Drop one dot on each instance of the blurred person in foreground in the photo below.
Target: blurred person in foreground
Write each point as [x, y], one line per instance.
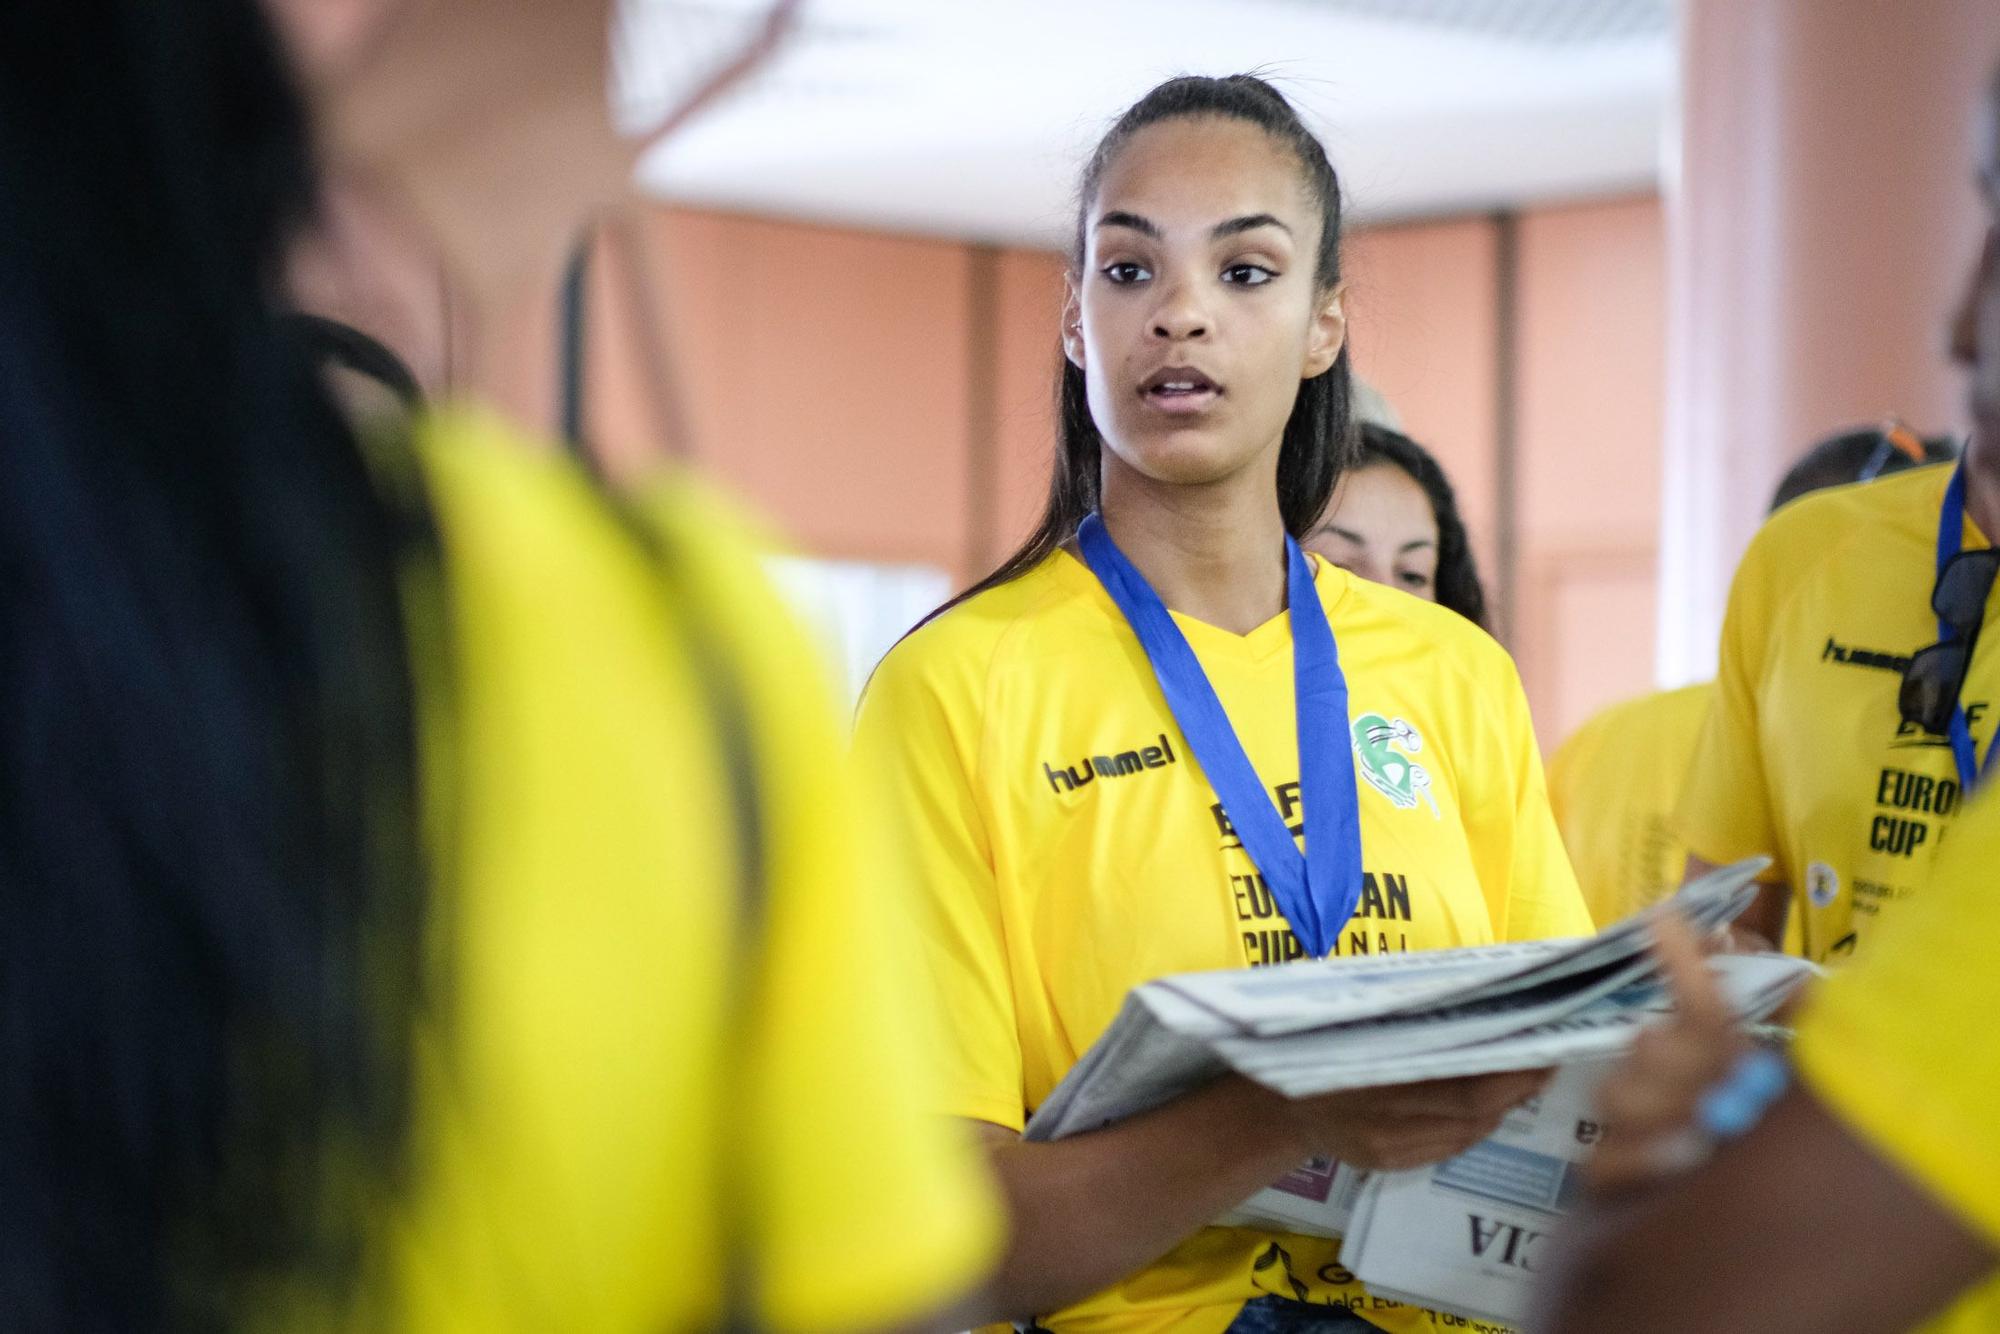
[1394, 520]
[1615, 781]
[429, 898]
[1857, 1186]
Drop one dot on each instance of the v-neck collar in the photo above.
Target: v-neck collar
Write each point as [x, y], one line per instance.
[1255, 647]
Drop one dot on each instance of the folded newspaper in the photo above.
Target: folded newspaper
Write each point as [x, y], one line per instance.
[1468, 1235]
[1321, 1026]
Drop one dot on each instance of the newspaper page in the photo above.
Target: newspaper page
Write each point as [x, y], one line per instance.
[1320, 1197]
[1338, 1018]
[1468, 1235]
[1753, 984]
[1315, 1199]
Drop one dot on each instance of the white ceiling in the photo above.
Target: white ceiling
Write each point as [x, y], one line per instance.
[968, 118]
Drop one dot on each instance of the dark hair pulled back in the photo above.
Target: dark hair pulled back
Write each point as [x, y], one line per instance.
[1318, 439]
[1458, 585]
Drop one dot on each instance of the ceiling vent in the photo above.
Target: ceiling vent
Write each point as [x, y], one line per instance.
[1542, 22]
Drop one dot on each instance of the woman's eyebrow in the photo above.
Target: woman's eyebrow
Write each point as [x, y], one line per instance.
[1248, 223]
[1143, 226]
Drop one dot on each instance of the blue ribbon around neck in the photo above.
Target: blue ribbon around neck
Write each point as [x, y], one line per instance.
[1951, 535]
[1317, 889]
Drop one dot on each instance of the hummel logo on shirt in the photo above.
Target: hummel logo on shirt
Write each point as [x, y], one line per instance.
[1863, 657]
[1073, 776]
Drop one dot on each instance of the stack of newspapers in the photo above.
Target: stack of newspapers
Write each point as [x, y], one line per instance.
[1461, 1236]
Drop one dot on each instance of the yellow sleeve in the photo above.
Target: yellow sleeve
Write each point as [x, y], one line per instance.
[1530, 886]
[1724, 814]
[869, 1209]
[917, 741]
[1570, 758]
[1902, 1046]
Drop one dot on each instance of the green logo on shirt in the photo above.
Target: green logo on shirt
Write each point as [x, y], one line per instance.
[1390, 771]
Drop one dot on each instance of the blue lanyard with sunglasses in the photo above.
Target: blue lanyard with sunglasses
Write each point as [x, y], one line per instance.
[1318, 889]
[1951, 532]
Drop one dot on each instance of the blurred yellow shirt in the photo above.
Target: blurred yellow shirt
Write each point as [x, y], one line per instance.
[1805, 757]
[639, 1044]
[1902, 1046]
[1071, 849]
[1613, 786]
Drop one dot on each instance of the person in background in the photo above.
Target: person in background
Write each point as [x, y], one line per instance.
[1854, 697]
[1394, 520]
[1857, 1185]
[429, 897]
[1615, 781]
[1078, 834]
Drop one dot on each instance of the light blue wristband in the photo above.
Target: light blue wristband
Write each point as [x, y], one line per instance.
[1739, 1102]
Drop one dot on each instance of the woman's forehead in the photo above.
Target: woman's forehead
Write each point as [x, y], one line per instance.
[1199, 171]
[1385, 493]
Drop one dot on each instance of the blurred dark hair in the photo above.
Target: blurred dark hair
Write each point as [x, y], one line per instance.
[1858, 456]
[338, 346]
[1458, 585]
[1318, 436]
[212, 891]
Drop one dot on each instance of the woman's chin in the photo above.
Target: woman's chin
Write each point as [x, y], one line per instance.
[1184, 457]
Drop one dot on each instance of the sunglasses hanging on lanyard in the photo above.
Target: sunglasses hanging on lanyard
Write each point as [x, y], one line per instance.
[1935, 678]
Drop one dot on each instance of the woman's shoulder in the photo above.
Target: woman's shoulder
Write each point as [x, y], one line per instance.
[480, 471]
[512, 508]
[538, 559]
[1377, 619]
[964, 640]
[1853, 522]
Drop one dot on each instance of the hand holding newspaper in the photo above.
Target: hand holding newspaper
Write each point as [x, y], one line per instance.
[1318, 1027]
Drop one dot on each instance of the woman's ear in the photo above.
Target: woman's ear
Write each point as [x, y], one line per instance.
[1328, 334]
[1072, 322]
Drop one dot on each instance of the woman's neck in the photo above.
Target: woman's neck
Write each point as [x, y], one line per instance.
[1214, 551]
[1982, 483]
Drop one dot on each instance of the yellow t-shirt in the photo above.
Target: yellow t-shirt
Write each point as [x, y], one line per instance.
[1805, 757]
[1902, 1048]
[633, 1040]
[1072, 849]
[1613, 786]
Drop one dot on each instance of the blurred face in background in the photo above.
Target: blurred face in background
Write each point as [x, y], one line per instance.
[1381, 527]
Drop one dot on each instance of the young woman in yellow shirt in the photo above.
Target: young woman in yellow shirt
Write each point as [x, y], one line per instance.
[1102, 757]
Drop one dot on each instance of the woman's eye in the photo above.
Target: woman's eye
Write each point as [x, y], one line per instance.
[1411, 579]
[1247, 275]
[1124, 271]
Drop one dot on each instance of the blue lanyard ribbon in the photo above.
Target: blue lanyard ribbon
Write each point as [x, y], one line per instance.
[1951, 533]
[1318, 889]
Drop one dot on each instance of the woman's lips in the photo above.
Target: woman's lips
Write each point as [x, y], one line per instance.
[1180, 391]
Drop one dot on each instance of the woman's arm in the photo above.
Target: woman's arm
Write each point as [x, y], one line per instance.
[1762, 924]
[1090, 1210]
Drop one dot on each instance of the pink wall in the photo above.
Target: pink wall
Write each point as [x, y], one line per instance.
[1422, 305]
[1824, 225]
[890, 398]
[1587, 334]
[1591, 348]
